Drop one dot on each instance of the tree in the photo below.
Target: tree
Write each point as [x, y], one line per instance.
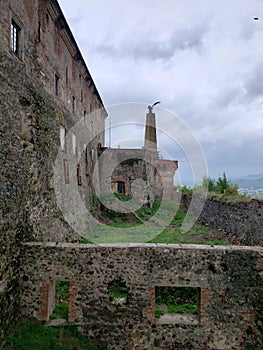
[221, 184]
[209, 184]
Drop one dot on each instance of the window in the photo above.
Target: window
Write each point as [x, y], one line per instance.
[81, 95]
[74, 147]
[79, 177]
[15, 38]
[62, 135]
[39, 32]
[177, 304]
[121, 187]
[56, 84]
[47, 18]
[67, 75]
[85, 116]
[117, 291]
[61, 300]
[66, 171]
[74, 104]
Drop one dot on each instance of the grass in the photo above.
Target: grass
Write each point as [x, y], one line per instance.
[61, 308]
[152, 225]
[32, 335]
[158, 311]
[178, 300]
[181, 309]
[231, 199]
[60, 311]
[198, 234]
[117, 289]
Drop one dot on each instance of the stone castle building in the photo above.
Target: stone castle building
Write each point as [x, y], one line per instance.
[131, 165]
[45, 89]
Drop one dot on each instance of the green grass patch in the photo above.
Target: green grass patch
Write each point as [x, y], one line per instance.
[32, 335]
[117, 289]
[181, 309]
[61, 308]
[145, 225]
[84, 240]
[176, 300]
[158, 311]
[122, 197]
[62, 289]
[60, 311]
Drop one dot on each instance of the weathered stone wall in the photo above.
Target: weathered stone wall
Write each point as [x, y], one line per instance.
[142, 173]
[242, 220]
[229, 278]
[130, 167]
[32, 114]
[166, 168]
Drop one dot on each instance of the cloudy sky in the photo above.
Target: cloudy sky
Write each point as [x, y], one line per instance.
[202, 58]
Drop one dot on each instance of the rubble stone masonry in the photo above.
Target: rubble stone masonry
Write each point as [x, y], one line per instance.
[41, 73]
[229, 280]
[243, 220]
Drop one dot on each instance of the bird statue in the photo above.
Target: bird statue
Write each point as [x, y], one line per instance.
[151, 107]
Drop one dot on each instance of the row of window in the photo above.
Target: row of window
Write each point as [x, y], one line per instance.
[16, 48]
[66, 173]
[74, 100]
[171, 304]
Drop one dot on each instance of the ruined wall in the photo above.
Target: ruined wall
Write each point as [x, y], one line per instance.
[130, 167]
[141, 172]
[166, 169]
[229, 279]
[40, 72]
[242, 220]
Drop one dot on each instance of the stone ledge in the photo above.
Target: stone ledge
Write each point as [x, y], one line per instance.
[166, 247]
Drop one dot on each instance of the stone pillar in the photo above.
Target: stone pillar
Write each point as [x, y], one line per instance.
[205, 294]
[47, 292]
[149, 312]
[150, 140]
[73, 292]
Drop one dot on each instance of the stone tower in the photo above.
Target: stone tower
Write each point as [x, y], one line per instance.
[150, 140]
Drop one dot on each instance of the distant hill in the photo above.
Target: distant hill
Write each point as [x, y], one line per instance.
[250, 181]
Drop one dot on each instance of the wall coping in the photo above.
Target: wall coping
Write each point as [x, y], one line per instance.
[145, 245]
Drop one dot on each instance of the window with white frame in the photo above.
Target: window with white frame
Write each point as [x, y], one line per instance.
[15, 38]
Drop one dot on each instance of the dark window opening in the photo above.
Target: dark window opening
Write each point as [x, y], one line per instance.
[39, 32]
[79, 177]
[61, 300]
[73, 104]
[85, 115]
[81, 96]
[177, 304]
[56, 84]
[15, 38]
[117, 291]
[121, 187]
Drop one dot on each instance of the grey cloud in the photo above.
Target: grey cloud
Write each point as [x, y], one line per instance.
[209, 73]
[254, 83]
[149, 46]
[227, 96]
